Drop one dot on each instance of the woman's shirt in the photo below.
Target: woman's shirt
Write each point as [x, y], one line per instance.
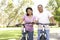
[28, 27]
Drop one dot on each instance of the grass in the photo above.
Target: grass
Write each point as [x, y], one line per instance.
[10, 34]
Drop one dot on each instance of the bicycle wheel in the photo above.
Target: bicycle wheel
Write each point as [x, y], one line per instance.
[23, 38]
[42, 37]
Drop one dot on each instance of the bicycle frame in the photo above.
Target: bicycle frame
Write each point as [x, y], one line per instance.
[43, 34]
[24, 32]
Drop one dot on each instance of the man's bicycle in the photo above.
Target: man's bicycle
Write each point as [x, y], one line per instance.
[43, 33]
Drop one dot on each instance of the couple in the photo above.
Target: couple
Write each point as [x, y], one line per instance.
[42, 17]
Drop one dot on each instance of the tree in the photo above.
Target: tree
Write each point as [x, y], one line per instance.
[55, 6]
[57, 12]
[14, 13]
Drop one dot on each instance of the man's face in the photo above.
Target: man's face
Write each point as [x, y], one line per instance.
[40, 8]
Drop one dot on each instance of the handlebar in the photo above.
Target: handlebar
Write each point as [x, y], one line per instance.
[50, 24]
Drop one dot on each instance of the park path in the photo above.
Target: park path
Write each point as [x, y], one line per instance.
[54, 34]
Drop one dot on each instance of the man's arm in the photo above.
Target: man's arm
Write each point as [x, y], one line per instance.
[51, 17]
[52, 20]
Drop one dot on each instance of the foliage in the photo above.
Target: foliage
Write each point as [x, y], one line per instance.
[55, 6]
[11, 13]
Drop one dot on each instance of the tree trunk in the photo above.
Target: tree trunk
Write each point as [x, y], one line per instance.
[59, 24]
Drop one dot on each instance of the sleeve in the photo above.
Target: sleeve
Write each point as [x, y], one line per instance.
[50, 14]
[36, 18]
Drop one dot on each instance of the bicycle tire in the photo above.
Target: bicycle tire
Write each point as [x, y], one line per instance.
[23, 38]
[42, 37]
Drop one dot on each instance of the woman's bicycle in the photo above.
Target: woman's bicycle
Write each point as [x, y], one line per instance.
[24, 32]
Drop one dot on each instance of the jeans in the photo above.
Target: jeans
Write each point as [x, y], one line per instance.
[47, 34]
[30, 35]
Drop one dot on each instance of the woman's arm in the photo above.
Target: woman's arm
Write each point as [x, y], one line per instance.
[35, 20]
[21, 21]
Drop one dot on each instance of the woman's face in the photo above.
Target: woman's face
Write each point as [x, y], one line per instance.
[29, 11]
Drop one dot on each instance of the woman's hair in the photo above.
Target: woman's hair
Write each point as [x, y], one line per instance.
[27, 11]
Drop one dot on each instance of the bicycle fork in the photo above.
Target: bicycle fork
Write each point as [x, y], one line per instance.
[43, 33]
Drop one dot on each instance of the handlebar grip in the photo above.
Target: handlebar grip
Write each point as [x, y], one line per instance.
[52, 24]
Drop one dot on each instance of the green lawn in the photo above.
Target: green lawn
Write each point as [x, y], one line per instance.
[11, 34]
[8, 34]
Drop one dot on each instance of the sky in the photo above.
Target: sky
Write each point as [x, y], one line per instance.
[36, 2]
[43, 2]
